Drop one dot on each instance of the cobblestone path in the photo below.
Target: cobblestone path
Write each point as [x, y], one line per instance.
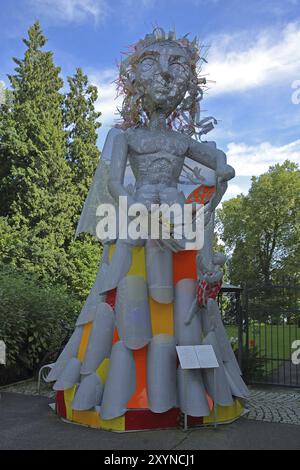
[274, 406]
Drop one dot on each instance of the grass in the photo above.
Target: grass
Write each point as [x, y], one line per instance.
[274, 342]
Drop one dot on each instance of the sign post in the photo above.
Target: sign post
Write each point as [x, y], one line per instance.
[198, 357]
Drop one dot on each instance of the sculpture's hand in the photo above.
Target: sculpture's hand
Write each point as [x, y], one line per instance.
[171, 244]
[212, 278]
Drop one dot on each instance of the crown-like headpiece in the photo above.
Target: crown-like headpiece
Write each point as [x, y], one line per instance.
[158, 35]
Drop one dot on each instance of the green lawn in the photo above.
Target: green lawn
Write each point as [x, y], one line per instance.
[272, 341]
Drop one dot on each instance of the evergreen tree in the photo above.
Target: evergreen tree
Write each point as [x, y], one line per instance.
[37, 180]
[81, 123]
[8, 137]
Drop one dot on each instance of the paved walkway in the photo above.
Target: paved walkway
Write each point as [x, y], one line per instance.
[275, 406]
[28, 423]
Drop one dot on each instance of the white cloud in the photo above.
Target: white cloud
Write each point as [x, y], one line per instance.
[253, 160]
[244, 61]
[71, 10]
[235, 189]
[107, 102]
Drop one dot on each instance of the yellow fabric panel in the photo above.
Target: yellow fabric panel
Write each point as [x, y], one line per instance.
[138, 265]
[161, 318]
[84, 341]
[116, 424]
[225, 413]
[102, 370]
[111, 250]
[69, 396]
[92, 419]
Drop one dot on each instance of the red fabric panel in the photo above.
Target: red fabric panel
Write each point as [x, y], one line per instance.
[146, 419]
[60, 404]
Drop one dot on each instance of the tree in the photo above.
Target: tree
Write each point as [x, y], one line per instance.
[81, 123]
[48, 155]
[36, 180]
[261, 230]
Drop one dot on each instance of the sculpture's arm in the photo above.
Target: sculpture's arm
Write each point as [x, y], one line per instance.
[118, 167]
[211, 157]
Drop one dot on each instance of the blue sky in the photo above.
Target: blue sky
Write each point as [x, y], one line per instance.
[254, 58]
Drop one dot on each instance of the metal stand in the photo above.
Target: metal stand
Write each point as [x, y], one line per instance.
[185, 428]
[197, 357]
[185, 401]
[215, 398]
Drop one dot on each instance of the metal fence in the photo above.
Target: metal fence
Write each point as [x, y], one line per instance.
[263, 324]
[271, 317]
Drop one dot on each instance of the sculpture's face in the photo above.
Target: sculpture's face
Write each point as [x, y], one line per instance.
[163, 75]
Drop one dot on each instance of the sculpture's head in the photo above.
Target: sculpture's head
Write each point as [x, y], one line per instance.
[162, 74]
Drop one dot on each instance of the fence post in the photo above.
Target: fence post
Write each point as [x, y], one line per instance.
[240, 329]
[247, 320]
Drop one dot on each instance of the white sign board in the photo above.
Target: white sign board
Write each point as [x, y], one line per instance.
[187, 357]
[206, 357]
[197, 357]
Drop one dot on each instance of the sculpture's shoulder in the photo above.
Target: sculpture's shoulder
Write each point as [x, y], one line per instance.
[136, 137]
[114, 135]
[202, 145]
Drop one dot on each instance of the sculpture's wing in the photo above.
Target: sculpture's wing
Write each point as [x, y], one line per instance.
[98, 192]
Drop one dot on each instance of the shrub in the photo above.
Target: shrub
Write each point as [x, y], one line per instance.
[252, 365]
[35, 319]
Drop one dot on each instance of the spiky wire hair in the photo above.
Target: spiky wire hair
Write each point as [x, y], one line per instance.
[186, 117]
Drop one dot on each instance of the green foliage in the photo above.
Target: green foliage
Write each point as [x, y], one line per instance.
[38, 178]
[35, 319]
[261, 230]
[252, 366]
[48, 154]
[83, 257]
[81, 123]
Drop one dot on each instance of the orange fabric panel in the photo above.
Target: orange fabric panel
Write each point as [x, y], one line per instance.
[140, 398]
[201, 195]
[184, 265]
[84, 341]
[161, 318]
[116, 336]
[210, 402]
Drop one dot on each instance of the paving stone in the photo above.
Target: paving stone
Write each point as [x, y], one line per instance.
[274, 406]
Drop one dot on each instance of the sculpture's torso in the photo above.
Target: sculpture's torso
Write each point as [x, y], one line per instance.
[156, 157]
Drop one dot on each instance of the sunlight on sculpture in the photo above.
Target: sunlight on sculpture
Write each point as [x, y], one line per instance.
[119, 369]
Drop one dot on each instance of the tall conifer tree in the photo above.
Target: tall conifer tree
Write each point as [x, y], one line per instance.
[38, 179]
[81, 122]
